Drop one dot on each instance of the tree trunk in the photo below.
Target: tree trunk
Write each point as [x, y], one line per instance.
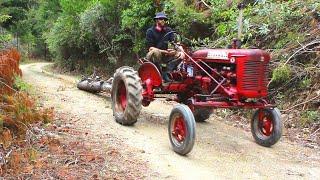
[1, 125]
[45, 51]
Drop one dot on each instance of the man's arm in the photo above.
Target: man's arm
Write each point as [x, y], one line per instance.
[150, 40]
[172, 35]
[151, 44]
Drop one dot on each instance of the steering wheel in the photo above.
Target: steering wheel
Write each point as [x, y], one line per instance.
[175, 45]
[168, 33]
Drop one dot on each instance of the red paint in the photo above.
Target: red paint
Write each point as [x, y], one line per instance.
[149, 71]
[224, 79]
[122, 92]
[179, 130]
[265, 124]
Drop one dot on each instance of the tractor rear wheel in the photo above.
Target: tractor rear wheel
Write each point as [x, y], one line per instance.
[202, 114]
[266, 126]
[181, 129]
[126, 95]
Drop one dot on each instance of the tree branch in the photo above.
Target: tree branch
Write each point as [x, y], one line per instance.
[207, 5]
[1, 82]
[302, 48]
[289, 109]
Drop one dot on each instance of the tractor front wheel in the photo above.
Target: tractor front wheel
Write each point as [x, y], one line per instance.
[181, 129]
[266, 126]
[126, 95]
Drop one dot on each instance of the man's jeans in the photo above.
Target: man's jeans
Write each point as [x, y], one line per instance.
[160, 59]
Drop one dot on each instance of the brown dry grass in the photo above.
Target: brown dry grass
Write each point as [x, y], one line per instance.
[9, 67]
[18, 113]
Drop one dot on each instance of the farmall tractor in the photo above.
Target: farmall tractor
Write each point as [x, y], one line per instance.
[204, 80]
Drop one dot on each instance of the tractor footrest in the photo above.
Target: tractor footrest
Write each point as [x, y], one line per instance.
[219, 99]
[170, 82]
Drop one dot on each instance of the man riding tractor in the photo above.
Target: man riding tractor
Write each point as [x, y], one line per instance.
[204, 80]
[157, 38]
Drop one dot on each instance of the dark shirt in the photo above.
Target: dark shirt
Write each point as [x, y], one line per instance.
[156, 39]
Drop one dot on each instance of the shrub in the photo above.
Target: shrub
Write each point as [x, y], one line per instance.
[135, 20]
[20, 85]
[309, 117]
[305, 83]
[9, 61]
[19, 111]
[281, 74]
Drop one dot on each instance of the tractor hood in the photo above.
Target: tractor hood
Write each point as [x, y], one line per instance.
[227, 54]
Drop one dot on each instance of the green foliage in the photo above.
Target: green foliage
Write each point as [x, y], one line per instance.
[3, 18]
[20, 85]
[41, 19]
[183, 16]
[88, 70]
[111, 27]
[90, 30]
[74, 7]
[223, 18]
[281, 74]
[100, 25]
[263, 22]
[136, 19]
[142, 10]
[305, 83]
[287, 39]
[64, 37]
[17, 10]
[309, 117]
[4, 37]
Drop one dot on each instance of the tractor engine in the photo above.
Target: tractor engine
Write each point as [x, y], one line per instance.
[236, 73]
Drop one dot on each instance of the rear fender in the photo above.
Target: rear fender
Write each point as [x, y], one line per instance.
[148, 71]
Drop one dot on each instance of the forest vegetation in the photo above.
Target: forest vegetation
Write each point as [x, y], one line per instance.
[83, 35]
[79, 35]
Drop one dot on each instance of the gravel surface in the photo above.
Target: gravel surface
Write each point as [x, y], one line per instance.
[220, 151]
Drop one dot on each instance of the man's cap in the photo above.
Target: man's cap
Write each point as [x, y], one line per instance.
[160, 15]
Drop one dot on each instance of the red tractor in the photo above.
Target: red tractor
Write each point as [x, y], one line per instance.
[204, 80]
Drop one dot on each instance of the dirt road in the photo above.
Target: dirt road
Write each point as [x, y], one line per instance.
[220, 151]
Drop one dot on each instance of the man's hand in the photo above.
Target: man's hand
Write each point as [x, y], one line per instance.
[154, 48]
[168, 52]
[180, 55]
[171, 52]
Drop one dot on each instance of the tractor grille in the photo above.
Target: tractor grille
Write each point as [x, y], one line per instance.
[255, 75]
